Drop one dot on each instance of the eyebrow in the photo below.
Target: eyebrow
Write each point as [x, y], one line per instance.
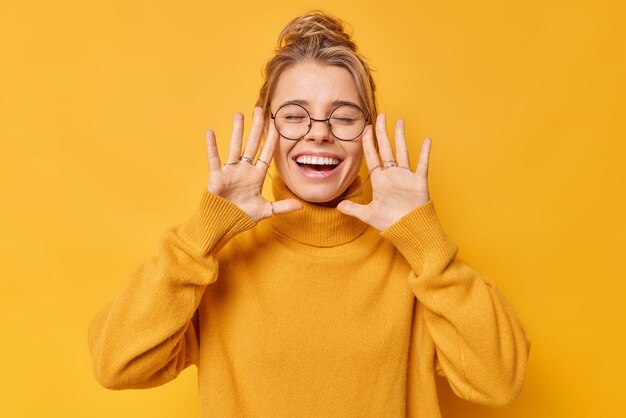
[335, 103]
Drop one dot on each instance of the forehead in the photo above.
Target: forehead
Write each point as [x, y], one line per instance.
[318, 85]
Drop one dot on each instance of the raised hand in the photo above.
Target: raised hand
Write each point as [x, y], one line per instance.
[241, 179]
[396, 190]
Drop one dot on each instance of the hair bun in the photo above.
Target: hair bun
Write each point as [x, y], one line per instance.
[318, 38]
[316, 27]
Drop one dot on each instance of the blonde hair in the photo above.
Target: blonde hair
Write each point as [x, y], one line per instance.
[320, 38]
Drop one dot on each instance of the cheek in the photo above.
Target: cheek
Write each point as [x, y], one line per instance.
[355, 157]
[356, 154]
[281, 153]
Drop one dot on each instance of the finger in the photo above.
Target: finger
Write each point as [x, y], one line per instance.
[384, 146]
[356, 210]
[282, 206]
[270, 145]
[214, 157]
[422, 164]
[402, 152]
[234, 152]
[371, 155]
[254, 137]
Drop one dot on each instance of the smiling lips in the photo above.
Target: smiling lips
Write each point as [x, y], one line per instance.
[317, 165]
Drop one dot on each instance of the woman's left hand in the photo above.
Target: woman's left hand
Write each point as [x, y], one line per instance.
[396, 190]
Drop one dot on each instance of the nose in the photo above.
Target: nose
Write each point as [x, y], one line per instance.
[320, 131]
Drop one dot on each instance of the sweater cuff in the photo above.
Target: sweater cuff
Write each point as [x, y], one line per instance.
[420, 238]
[215, 222]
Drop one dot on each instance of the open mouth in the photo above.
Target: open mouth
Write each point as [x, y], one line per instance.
[316, 163]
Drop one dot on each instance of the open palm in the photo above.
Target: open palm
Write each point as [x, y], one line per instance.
[241, 179]
[396, 190]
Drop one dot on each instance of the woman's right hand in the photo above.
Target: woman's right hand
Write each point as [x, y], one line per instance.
[242, 182]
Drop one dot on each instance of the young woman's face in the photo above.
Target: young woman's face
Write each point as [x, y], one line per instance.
[319, 89]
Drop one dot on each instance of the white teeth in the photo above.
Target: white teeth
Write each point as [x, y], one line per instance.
[306, 159]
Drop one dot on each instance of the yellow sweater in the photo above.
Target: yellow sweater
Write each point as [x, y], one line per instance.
[311, 314]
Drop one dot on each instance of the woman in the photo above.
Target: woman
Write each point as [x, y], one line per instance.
[320, 303]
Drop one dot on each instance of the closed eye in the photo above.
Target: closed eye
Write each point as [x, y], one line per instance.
[294, 118]
[344, 121]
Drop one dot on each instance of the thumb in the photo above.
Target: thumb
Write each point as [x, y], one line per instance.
[355, 210]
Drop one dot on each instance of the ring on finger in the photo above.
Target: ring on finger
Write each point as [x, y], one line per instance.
[262, 161]
[232, 162]
[272, 208]
[390, 163]
[247, 160]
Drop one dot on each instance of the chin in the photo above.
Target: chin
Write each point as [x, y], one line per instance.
[326, 188]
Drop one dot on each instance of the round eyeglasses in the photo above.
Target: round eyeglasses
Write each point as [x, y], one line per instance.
[346, 122]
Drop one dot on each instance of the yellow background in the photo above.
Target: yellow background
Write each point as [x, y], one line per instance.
[103, 107]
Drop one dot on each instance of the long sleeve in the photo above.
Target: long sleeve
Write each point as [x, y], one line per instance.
[481, 345]
[148, 333]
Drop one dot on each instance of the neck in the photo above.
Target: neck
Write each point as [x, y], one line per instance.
[318, 224]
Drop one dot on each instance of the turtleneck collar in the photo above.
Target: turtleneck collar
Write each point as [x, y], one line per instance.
[317, 225]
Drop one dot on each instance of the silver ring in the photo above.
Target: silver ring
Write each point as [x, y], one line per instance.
[262, 161]
[374, 168]
[232, 162]
[272, 207]
[390, 163]
[247, 160]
